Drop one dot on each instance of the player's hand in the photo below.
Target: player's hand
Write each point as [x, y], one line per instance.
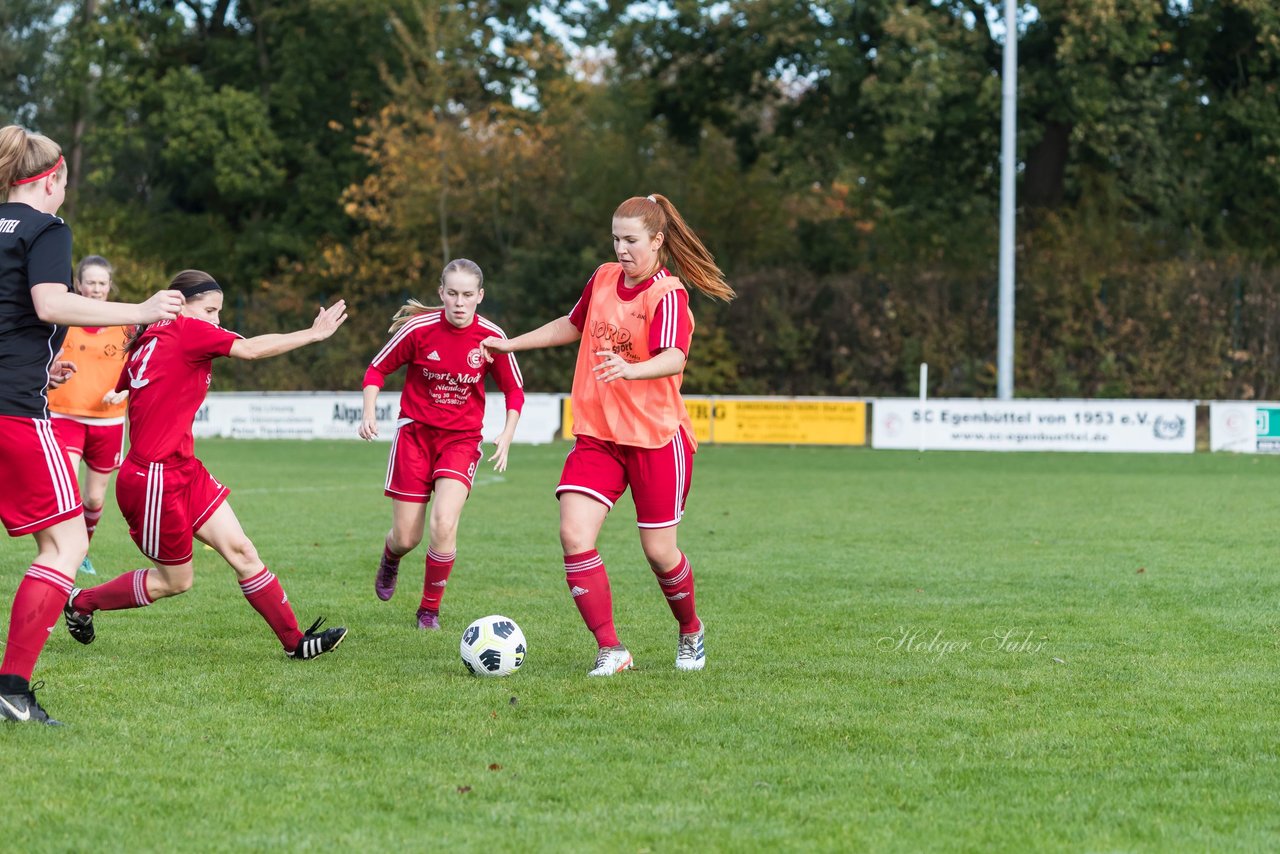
[329, 319]
[60, 371]
[164, 305]
[502, 445]
[614, 367]
[368, 429]
[494, 344]
[111, 398]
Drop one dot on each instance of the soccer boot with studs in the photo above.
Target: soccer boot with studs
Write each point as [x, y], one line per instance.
[611, 660]
[690, 651]
[315, 642]
[384, 583]
[18, 703]
[80, 626]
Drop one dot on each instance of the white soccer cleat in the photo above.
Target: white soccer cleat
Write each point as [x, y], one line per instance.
[690, 651]
[611, 660]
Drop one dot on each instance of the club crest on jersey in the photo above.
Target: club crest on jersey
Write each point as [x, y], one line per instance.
[474, 359]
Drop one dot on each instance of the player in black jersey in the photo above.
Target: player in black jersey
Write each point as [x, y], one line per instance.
[40, 496]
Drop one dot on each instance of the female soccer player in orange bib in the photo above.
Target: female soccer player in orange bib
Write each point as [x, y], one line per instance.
[437, 442]
[634, 326]
[87, 411]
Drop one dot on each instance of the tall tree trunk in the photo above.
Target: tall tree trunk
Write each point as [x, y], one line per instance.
[78, 127]
[444, 217]
[257, 14]
[1043, 184]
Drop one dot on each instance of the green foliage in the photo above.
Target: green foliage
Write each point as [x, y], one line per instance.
[226, 130]
[27, 34]
[840, 159]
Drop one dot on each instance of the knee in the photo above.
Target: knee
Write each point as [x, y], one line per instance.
[242, 554]
[575, 538]
[662, 560]
[171, 584]
[403, 542]
[444, 531]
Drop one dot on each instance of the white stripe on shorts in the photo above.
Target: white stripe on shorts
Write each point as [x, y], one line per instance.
[152, 510]
[55, 460]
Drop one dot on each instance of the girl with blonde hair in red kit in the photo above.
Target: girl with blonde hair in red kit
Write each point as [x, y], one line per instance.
[634, 326]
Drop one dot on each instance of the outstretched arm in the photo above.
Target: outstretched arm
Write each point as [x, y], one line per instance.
[55, 304]
[553, 334]
[273, 344]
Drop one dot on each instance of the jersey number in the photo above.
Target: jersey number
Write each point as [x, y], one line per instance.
[143, 354]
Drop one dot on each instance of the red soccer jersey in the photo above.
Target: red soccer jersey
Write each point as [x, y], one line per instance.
[168, 375]
[669, 326]
[445, 383]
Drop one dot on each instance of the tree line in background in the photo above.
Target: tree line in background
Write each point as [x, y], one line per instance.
[841, 159]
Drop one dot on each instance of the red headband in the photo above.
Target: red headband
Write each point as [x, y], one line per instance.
[45, 174]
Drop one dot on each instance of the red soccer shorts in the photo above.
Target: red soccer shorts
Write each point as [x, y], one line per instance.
[39, 488]
[97, 444]
[659, 477]
[166, 504]
[420, 455]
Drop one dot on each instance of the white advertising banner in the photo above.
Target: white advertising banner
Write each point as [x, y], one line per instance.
[1244, 426]
[1141, 426]
[336, 415]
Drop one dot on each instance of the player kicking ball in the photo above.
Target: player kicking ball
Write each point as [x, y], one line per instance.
[166, 494]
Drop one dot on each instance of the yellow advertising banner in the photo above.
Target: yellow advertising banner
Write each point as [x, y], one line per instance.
[789, 422]
[768, 421]
[700, 413]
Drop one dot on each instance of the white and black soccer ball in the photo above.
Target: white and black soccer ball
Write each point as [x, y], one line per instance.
[493, 646]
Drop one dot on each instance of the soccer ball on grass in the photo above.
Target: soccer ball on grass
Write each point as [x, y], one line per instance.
[493, 646]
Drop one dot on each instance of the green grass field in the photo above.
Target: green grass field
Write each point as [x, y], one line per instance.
[906, 652]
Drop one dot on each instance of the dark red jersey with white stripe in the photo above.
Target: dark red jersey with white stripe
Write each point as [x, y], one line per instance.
[167, 376]
[670, 326]
[444, 385]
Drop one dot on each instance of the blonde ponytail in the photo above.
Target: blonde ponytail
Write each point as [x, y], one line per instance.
[409, 311]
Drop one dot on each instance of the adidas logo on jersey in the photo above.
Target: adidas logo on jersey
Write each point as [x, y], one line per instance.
[577, 591]
[433, 356]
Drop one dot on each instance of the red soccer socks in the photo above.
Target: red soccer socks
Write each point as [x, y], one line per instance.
[589, 585]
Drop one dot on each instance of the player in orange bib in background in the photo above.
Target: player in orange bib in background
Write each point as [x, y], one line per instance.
[632, 430]
[87, 411]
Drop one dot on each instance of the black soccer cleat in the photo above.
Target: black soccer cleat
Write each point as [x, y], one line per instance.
[318, 643]
[80, 626]
[21, 707]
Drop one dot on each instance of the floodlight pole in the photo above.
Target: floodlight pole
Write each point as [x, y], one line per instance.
[1008, 151]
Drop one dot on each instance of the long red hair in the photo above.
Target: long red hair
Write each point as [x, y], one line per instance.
[681, 247]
